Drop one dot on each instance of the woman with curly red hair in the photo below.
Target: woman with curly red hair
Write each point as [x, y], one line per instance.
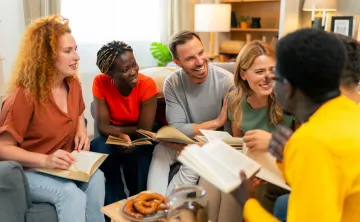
[42, 120]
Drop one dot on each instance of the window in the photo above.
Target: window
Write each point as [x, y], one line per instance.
[98, 22]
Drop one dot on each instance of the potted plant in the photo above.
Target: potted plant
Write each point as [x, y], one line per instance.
[244, 22]
[161, 53]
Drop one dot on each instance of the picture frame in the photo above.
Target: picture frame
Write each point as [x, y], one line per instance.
[342, 25]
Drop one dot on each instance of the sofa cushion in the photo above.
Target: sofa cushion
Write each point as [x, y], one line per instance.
[158, 74]
[41, 212]
[13, 192]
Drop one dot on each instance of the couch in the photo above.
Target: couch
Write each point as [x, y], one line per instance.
[159, 74]
[15, 203]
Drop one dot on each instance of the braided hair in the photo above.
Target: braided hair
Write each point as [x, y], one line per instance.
[108, 53]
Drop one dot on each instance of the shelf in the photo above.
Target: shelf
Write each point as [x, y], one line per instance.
[238, 1]
[228, 52]
[254, 30]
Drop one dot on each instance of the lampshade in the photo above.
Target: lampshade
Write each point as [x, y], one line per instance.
[212, 17]
[320, 5]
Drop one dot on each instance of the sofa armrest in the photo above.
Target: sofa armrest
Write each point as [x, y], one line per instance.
[14, 192]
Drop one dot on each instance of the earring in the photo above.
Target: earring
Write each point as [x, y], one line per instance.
[112, 81]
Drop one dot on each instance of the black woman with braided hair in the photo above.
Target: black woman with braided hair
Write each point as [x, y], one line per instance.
[124, 101]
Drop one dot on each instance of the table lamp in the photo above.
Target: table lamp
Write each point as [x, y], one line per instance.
[212, 18]
[320, 5]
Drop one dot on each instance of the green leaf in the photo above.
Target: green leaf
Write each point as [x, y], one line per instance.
[161, 53]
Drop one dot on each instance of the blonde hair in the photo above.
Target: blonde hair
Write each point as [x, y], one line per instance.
[244, 61]
[34, 66]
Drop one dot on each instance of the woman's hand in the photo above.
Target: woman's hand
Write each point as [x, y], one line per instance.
[60, 159]
[82, 141]
[257, 140]
[125, 137]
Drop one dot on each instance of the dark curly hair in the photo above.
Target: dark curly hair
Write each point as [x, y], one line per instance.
[350, 77]
[312, 61]
[109, 52]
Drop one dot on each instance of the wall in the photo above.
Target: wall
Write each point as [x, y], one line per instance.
[345, 7]
[11, 28]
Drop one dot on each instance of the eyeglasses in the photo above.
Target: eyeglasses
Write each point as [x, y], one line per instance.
[279, 79]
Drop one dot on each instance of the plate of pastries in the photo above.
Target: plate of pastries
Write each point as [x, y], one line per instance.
[145, 207]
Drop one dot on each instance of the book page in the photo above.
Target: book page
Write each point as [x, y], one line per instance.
[116, 141]
[85, 161]
[218, 163]
[269, 170]
[231, 158]
[208, 168]
[201, 139]
[213, 134]
[233, 141]
[171, 134]
[147, 134]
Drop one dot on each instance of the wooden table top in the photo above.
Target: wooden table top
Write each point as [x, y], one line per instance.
[113, 211]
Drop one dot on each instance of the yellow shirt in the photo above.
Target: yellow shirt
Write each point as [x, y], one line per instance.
[322, 166]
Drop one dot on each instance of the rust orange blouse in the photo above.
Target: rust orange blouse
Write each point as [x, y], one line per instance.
[42, 128]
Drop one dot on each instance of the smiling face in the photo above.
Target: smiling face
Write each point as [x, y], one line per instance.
[191, 57]
[66, 62]
[260, 75]
[125, 70]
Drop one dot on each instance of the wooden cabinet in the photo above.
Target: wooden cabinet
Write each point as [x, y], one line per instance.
[267, 10]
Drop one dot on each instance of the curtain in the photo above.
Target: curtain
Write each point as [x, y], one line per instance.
[2, 82]
[176, 15]
[34, 9]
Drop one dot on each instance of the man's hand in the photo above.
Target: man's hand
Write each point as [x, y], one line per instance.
[243, 193]
[257, 140]
[278, 141]
[82, 141]
[222, 117]
[60, 159]
[175, 146]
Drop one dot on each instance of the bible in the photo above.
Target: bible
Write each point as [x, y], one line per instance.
[118, 141]
[209, 135]
[220, 164]
[167, 134]
[82, 170]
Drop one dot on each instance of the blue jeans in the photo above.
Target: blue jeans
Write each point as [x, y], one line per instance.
[73, 200]
[135, 167]
[281, 206]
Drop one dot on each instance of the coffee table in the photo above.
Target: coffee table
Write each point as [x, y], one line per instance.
[113, 211]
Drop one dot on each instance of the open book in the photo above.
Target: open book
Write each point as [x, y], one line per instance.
[85, 166]
[118, 141]
[269, 171]
[168, 134]
[220, 135]
[220, 164]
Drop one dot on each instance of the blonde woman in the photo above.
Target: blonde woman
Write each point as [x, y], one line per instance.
[253, 110]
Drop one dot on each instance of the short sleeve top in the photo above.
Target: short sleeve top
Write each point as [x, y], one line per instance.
[124, 110]
[42, 128]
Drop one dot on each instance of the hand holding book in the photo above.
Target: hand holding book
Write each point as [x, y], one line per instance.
[76, 165]
[220, 164]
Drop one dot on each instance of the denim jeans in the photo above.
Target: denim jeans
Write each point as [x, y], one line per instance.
[74, 201]
[281, 206]
[135, 165]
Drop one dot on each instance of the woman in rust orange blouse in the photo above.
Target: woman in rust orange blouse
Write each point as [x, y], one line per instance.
[42, 120]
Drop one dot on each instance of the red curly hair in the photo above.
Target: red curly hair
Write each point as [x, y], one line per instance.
[34, 66]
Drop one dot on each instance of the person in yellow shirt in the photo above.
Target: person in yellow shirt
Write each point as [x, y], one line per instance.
[349, 80]
[321, 159]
